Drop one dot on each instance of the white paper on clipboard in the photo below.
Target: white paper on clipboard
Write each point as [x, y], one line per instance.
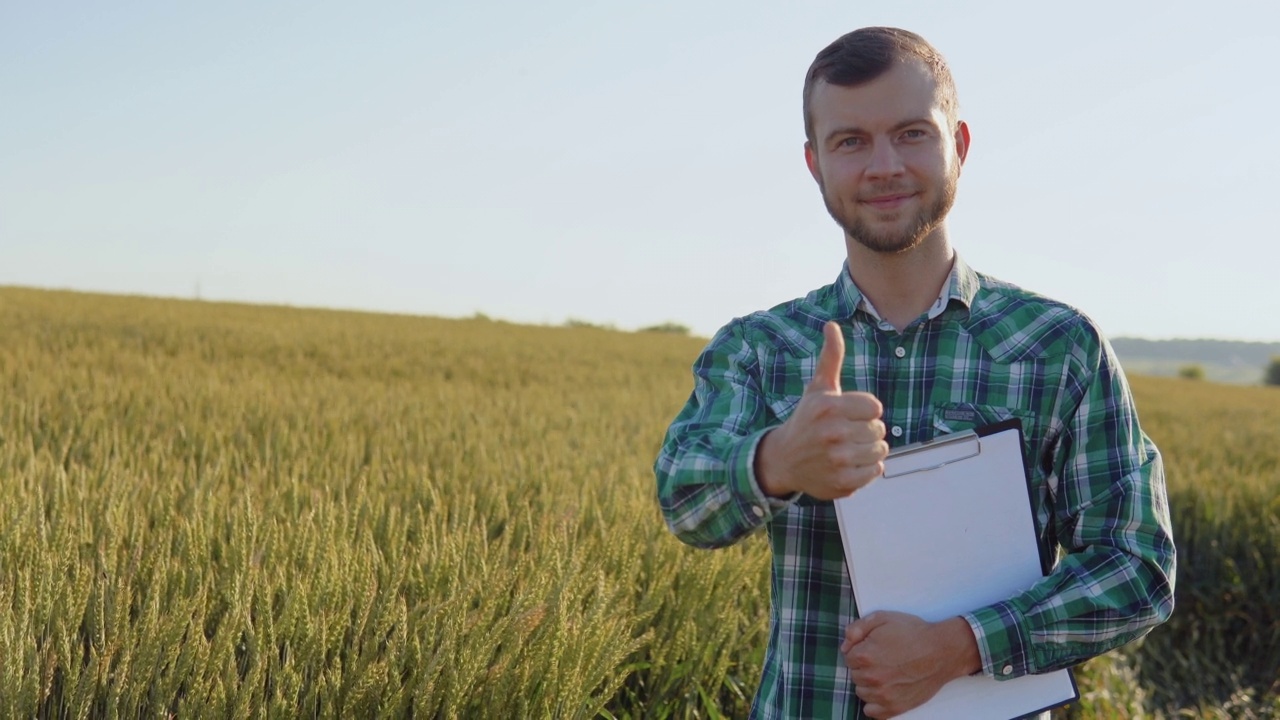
[948, 530]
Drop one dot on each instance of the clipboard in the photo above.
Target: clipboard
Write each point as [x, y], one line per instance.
[946, 530]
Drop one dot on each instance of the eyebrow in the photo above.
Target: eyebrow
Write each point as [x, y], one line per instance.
[855, 130]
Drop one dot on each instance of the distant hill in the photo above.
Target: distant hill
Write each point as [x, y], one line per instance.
[1223, 360]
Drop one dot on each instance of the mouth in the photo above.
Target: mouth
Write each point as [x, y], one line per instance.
[888, 202]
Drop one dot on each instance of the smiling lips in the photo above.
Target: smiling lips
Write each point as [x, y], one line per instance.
[888, 202]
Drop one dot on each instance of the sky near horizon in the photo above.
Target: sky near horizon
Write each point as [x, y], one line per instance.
[623, 163]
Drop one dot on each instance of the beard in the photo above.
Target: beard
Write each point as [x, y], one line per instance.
[893, 241]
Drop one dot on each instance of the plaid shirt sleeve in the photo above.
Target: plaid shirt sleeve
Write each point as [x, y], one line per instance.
[1114, 581]
[706, 481]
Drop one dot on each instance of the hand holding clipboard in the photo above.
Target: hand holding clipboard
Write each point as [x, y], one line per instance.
[947, 530]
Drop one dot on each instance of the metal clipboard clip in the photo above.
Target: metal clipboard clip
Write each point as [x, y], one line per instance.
[950, 448]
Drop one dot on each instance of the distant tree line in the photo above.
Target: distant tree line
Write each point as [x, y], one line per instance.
[670, 328]
[1269, 377]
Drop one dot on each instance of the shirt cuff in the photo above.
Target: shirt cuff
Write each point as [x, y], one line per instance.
[757, 507]
[1002, 641]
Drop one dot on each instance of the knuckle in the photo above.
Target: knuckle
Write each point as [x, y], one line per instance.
[862, 432]
[859, 659]
[867, 403]
[843, 457]
[865, 454]
[877, 408]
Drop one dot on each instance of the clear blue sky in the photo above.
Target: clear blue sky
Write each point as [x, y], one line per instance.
[625, 163]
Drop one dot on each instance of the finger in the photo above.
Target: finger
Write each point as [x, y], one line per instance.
[826, 376]
[862, 675]
[861, 432]
[865, 455]
[869, 622]
[860, 406]
[854, 633]
[843, 431]
[873, 699]
[850, 441]
[855, 479]
[849, 481]
[847, 643]
[860, 663]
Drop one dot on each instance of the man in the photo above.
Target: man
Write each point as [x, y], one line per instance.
[780, 421]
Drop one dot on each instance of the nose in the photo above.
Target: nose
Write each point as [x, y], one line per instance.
[885, 161]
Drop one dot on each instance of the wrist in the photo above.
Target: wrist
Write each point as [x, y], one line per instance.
[769, 473]
[962, 647]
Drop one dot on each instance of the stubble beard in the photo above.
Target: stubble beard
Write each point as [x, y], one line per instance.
[894, 242]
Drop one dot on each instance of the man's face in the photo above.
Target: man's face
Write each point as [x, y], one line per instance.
[886, 157]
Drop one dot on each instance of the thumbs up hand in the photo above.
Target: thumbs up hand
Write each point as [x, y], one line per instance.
[833, 443]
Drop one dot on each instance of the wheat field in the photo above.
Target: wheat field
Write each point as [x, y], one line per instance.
[219, 510]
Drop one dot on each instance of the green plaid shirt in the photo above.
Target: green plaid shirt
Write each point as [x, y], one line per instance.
[986, 351]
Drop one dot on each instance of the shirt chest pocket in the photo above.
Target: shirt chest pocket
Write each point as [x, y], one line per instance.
[948, 418]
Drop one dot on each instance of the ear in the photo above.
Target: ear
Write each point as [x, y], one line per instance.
[962, 140]
[811, 159]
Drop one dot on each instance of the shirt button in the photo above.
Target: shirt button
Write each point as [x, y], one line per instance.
[1006, 670]
[897, 431]
[899, 351]
[759, 511]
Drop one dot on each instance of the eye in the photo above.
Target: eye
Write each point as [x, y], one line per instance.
[850, 142]
[914, 134]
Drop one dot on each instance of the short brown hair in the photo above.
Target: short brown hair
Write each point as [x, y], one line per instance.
[867, 53]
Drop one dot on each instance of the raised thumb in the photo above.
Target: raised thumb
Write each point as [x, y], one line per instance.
[826, 376]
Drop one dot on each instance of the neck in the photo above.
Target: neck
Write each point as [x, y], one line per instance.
[902, 286]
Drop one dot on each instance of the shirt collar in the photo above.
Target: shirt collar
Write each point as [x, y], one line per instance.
[961, 285]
